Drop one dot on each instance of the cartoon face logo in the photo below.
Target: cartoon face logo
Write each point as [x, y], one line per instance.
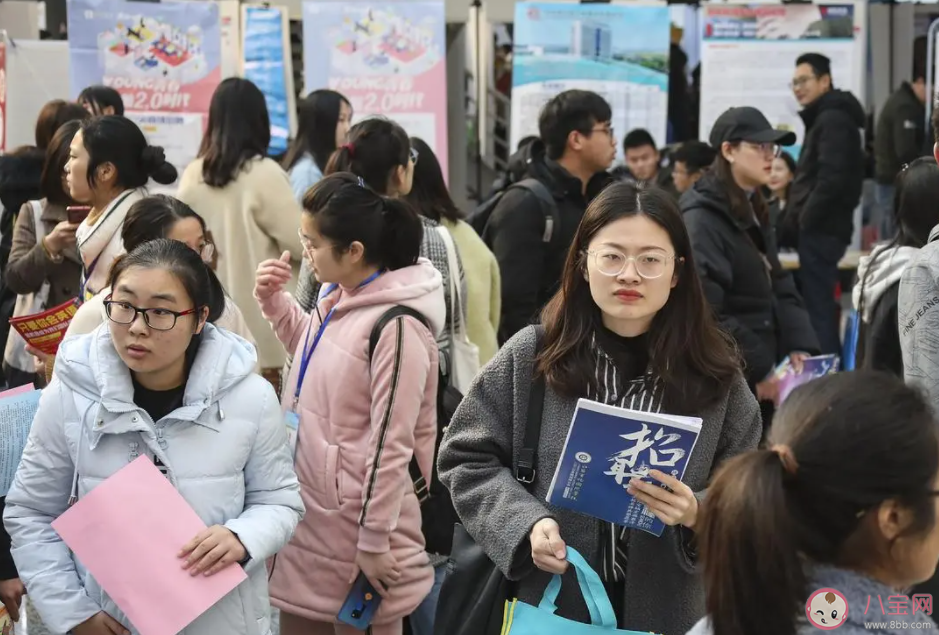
[827, 609]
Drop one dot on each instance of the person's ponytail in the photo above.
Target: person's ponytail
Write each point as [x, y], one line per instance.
[153, 160]
[401, 234]
[752, 570]
[340, 160]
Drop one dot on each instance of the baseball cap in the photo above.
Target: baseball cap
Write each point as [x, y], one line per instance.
[746, 123]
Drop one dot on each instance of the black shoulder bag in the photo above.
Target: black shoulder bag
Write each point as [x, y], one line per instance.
[474, 591]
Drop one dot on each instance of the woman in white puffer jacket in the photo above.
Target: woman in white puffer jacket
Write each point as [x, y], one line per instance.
[157, 380]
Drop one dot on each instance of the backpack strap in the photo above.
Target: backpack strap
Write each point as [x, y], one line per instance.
[421, 487]
[525, 470]
[548, 206]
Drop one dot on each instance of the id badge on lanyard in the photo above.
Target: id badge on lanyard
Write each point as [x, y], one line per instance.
[292, 416]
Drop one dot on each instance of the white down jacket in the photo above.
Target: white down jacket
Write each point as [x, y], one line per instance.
[225, 448]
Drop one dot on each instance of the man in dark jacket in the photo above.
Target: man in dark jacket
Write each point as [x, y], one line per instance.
[827, 188]
[576, 146]
[900, 137]
[644, 162]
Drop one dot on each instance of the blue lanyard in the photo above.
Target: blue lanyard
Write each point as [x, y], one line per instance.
[308, 350]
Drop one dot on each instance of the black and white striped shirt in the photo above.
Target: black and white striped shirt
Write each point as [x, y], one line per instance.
[641, 393]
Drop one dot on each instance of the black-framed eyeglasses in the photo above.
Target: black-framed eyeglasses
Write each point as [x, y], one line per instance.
[609, 131]
[157, 319]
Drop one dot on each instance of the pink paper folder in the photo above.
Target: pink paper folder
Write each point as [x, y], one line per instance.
[12, 392]
[128, 532]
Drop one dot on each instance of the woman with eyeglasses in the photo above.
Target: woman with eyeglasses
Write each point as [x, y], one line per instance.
[735, 251]
[629, 327]
[380, 153]
[362, 411]
[158, 380]
[153, 217]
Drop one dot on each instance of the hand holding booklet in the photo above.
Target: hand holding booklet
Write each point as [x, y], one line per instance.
[607, 446]
[128, 532]
[812, 368]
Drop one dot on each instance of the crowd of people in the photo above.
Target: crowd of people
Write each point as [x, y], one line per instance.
[333, 363]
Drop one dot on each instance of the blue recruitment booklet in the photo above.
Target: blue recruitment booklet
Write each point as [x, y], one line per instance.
[606, 446]
[16, 419]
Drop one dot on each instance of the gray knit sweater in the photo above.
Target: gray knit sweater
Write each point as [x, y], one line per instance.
[663, 592]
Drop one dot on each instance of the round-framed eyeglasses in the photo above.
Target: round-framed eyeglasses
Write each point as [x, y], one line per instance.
[157, 319]
[649, 264]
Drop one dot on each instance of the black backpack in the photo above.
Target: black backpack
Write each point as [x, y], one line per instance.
[437, 513]
[479, 218]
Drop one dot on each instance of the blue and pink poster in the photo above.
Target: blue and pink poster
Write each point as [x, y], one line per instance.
[164, 59]
[387, 58]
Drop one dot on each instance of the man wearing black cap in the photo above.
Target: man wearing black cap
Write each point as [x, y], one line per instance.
[735, 254]
[827, 188]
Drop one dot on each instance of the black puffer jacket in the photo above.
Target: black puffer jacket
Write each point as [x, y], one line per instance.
[530, 268]
[830, 173]
[754, 298]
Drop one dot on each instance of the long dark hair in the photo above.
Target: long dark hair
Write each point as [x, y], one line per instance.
[347, 211]
[742, 205]
[429, 194]
[791, 166]
[376, 147]
[239, 129]
[317, 119]
[117, 140]
[841, 446]
[916, 213]
[57, 154]
[695, 361]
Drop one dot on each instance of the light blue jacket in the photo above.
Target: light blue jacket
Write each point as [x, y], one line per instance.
[225, 448]
[303, 175]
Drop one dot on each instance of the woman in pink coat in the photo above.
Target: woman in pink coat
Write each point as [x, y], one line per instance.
[355, 424]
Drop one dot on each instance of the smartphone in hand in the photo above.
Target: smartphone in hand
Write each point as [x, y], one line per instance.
[77, 213]
[361, 604]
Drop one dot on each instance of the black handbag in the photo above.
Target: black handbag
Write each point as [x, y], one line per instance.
[474, 591]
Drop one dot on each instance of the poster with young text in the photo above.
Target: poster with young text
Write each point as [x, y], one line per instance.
[164, 58]
[386, 58]
[749, 55]
[617, 51]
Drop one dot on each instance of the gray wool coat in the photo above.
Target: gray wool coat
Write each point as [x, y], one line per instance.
[664, 593]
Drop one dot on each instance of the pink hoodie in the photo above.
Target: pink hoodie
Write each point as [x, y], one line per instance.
[359, 426]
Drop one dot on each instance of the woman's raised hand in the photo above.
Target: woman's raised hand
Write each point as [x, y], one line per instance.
[271, 277]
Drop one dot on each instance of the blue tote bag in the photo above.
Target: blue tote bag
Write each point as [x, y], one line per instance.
[525, 619]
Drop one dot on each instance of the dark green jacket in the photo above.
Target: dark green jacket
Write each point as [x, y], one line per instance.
[900, 135]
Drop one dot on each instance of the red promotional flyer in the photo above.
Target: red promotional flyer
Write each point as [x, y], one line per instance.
[45, 330]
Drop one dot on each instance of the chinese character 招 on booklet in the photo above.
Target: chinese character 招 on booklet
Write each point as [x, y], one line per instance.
[606, 446]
